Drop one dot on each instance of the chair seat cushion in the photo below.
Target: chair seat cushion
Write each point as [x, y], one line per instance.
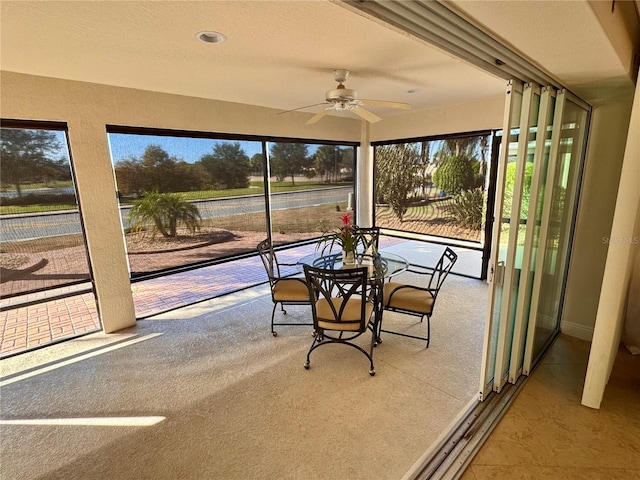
[290, 290]
[407, 298]
[350, 319]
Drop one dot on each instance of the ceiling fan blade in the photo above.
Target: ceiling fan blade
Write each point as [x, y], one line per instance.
[366, 114]
[317, 117]
[384, 103]
[302, 108]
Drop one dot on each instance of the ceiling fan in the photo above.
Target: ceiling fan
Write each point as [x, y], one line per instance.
[343, 98]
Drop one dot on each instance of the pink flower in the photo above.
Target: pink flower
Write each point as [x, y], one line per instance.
[346, 219]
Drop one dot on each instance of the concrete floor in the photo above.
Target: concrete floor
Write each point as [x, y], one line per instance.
[26, 327]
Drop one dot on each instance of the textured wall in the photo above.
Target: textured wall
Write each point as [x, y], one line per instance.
[87, 108]
[480, 115]
[609, 127]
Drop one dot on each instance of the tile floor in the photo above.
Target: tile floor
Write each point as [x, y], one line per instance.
[548, 434]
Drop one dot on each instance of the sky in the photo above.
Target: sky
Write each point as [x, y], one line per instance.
[125, 145]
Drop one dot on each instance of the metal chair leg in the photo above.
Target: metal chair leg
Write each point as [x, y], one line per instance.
[273, 313]
[428, 330]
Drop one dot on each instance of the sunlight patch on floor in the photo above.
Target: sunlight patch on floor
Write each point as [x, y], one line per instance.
[63, 363]
[89, 422]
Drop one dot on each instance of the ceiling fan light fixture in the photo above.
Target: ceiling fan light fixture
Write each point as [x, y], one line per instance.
[211, 37]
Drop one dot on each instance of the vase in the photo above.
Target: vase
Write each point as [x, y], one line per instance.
[348, 257]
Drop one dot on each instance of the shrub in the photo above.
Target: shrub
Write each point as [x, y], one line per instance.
[39, 199]
[396, 176]
[165, 211]
[509, 185]
[455, 175]
[467, 208]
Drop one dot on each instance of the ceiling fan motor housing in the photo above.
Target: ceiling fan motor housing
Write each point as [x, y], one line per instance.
[341, 95]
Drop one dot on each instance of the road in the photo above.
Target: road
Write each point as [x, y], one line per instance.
[26, 227]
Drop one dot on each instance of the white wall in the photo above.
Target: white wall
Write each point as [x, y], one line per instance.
[621, 253]
[631, 331]
[87, 108]
[483, 114]
[609, 127]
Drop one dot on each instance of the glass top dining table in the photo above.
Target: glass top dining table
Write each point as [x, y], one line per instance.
[381, 266]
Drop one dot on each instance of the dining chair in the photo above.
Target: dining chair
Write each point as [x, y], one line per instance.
[284, 290]
[370, 237]
[416, 299]
[341, 309]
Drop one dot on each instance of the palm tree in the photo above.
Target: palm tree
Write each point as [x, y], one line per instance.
[165, 211]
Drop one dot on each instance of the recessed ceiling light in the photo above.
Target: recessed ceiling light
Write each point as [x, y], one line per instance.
[211, 37]
[414, 90]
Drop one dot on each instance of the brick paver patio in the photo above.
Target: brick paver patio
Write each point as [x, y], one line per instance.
[26, 327]
[34, 325]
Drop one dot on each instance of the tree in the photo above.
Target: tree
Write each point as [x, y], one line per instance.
[423, 169]
[165, 211]
[473, 149]
[455, 147]
[130, 177]
[326, 162]
[457, 174]
[26, 157]
[228, 165]
[396, 175]
[346, 161]
[333, 163]
[157, 171]
[257, 164]
[288, 159]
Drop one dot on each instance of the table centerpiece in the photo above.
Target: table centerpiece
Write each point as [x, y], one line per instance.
[347, 238]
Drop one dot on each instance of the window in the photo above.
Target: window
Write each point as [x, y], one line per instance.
[433, 186]
[189, 199]
[43, 245]
[44, 267]
[310, 186]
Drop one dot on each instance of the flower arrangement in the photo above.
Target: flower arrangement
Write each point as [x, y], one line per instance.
[347, 237]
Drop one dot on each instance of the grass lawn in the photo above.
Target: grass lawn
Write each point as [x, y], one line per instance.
[255, 188]
[299, 220]
[36, 208]
[321, 218]
[36, 186]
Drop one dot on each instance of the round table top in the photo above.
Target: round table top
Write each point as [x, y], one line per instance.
[384, 265]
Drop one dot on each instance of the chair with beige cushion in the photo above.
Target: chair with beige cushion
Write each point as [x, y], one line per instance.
[340, 308]
[284, 290]
[370, 239]
[415, 299]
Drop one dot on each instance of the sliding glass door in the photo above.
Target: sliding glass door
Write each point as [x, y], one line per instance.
[558, 211]
[537, 185]
[500, 234]
[532, 214]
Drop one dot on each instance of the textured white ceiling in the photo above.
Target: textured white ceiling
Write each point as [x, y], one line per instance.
[279, 54]
[564, 37]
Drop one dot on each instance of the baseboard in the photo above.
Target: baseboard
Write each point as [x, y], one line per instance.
[577, 330]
